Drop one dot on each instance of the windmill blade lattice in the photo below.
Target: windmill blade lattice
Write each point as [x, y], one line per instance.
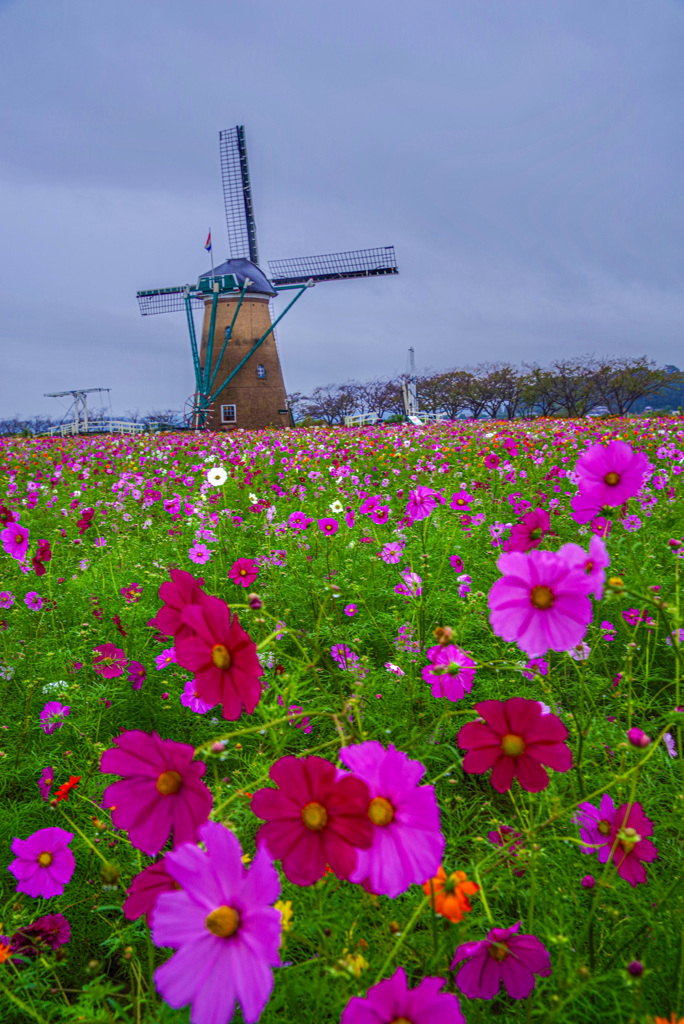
[166, 300]
[336, 265]
[237, 195]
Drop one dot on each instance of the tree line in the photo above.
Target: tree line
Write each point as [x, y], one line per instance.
[566, 387]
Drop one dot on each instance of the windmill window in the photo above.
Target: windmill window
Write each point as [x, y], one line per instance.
[228, 414]
[261, 372]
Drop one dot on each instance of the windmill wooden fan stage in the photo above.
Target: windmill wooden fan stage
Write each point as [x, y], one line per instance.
[238, 379]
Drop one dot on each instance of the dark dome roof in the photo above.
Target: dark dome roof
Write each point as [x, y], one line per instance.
[242, 269]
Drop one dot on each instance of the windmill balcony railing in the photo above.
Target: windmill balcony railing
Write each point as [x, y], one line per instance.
[100, 427]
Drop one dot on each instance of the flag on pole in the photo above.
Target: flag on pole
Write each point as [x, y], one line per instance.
[207, 244]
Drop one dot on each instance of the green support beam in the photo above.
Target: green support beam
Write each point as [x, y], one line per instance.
[229, 334]
[210, 339]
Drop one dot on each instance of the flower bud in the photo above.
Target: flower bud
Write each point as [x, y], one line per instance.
[254, 602]
[635, 968]
[638, 738]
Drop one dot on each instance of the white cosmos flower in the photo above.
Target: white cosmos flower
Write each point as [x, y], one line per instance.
[337, 507]
[253, 498]
[217, 476]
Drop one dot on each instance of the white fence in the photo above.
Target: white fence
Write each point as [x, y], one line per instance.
[101, 427]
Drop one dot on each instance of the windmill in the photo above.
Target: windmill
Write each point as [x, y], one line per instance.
[238, 378]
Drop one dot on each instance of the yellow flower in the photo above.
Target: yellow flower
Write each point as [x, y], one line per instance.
[354, 963]
[285, 908]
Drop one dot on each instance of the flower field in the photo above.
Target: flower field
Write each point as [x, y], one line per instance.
[370, 726]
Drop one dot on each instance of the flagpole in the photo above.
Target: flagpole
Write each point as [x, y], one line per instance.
[211, 250]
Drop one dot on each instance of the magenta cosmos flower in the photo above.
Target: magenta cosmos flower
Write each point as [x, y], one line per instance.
[44, 863]
[530, 532]
[593, 564]
[421, 503]
[15, 541]
[328, 526]
[109, 661]
[612, 474]
[222, 656]
[143, 891]
[515, 740]
[407, 842]
[450, 672]
[460, 502]
[243, 572]
[52, 716]
[223, 925]
[314, 818]
[393, 1002]
[622, 832]
[502, 956]
[51, 931]
[181, 590]
[47, 777]
[160, 790]
[541, 602]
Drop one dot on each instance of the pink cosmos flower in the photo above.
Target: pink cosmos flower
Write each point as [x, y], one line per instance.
[6, 599]
[511, 841]
[456, 563]
[540, 602]
[586, 508]
[392, 1001]
[460, 502]
[199, 554]
[167, 657]
[15, 541]
[45, 783]
[391, 553]
[369, 505]
[299, 521]
[350, 610]
[536, 666]
[407, 844]
[189, 699]
[412, 585]
[52, 716]
[593, 564]
[612, 474]
[223, 927]
[350, 518]
[50, 931]
[394, 669]
[132, 593]
[243, 572]
[421, 503]
[450, 673]
[143, 891]
[328, 526]
[44, 863]
[110, 661]
[380, 515]
[529, 534]
[491, 461]
[502, 956]
[181, 590]
[160, 790]
[618, 832]
[515, 740]
[34, 601]
[136, 674]
[344, 656]
[314, 818]
[222, 656]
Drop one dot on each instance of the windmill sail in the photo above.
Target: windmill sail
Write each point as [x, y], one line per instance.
[336, 265]
[237, 195]
[166, 300]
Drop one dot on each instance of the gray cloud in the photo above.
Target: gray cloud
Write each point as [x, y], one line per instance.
[525, 160]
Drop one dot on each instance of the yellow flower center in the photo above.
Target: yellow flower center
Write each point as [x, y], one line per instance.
[512, 745]
[628, 838]
[45, 859]
[499, 951]
[169, 783]
[401, 1020]
[542, 597]
[315, 816]
[604, 827]
[220, 656]
[453, 668]
[380, 811]
[611, 478]
[223, 922]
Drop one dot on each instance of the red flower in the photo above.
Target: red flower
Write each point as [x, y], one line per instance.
[117, 622]
[85, 522]
[183, 590]
[243, 572]
[513, 739]
[63, 792]
[109, 661]
[144, 889]
[222, 656]
[313, 819]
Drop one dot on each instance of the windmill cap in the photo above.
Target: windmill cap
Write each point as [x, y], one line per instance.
[243, 270]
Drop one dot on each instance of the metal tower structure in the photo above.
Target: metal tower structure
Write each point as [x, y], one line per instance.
[80, 405]
[235, 297]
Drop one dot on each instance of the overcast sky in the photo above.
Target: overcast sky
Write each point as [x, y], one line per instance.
[523, 156]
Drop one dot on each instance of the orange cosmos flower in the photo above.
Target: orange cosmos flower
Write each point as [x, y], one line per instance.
[64, 790]
[450, 893]
[672, 1020]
